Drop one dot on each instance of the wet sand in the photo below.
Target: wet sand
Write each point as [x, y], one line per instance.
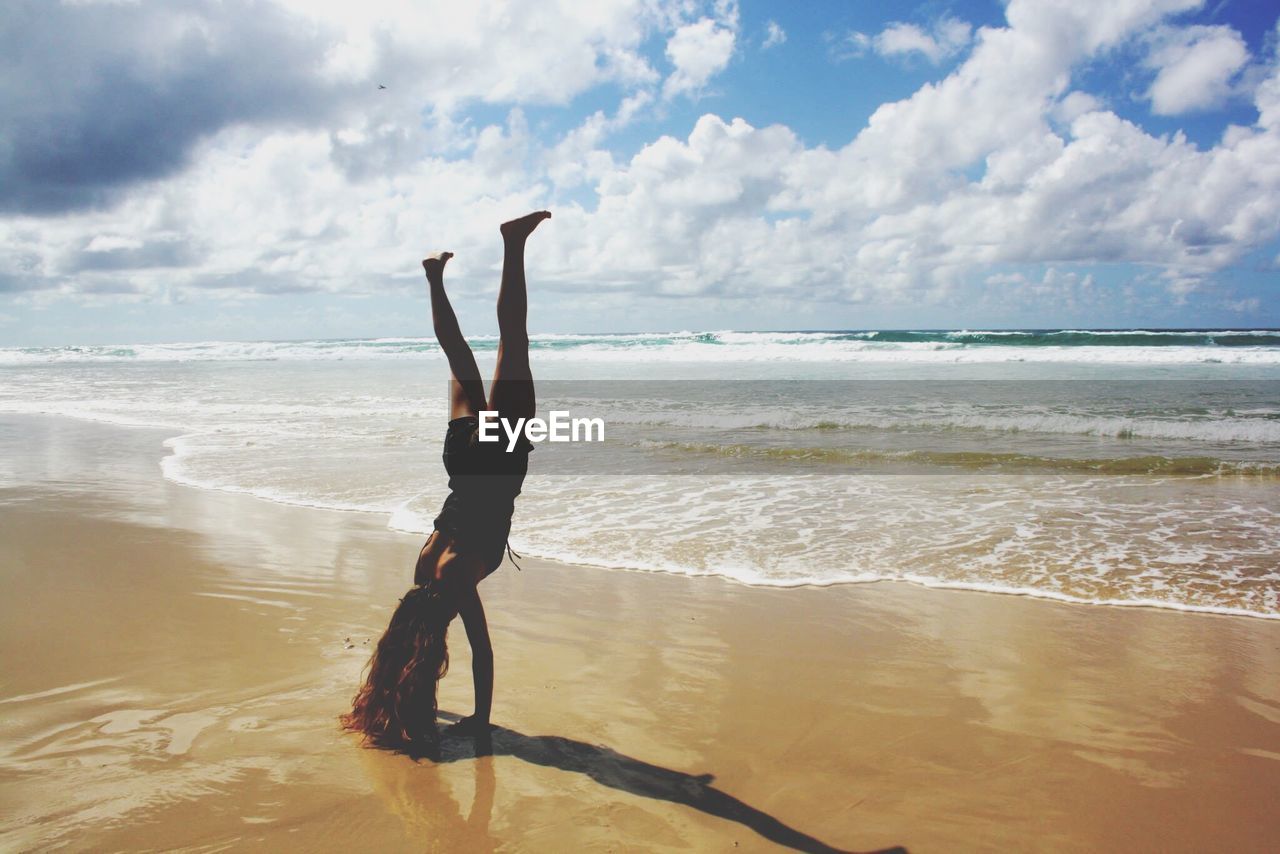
[175, 661]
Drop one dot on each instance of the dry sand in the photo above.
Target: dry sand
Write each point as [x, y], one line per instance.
[175, 661]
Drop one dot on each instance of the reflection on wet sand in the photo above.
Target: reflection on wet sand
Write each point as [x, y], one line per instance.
[175, 662]
[423, 799]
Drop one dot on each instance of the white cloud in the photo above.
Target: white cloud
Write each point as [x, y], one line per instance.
[698, 51]
[1249, 305]
[948, 36]
[578, 156]
[851, 45]
[774, 35]
[945, 38]
[451, 51]
[1194, 66]
[1004, 163]
[85, 83]
[892, 212]
[1084, 28]
[1067, 291]
[1073, 105]
[112, 243]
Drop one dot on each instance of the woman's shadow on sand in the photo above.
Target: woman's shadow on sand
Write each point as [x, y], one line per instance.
[627, 774]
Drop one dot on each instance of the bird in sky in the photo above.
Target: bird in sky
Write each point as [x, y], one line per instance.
[380, 86]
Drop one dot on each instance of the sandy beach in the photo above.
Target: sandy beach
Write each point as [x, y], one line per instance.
[884, 398]
[176, 659]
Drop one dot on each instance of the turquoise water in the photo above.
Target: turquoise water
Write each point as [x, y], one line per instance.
[1155, 346]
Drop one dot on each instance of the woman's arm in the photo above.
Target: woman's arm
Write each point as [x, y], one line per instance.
[473, 620]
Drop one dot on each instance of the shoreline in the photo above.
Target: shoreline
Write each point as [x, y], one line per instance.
[177, 659]
[386, 517]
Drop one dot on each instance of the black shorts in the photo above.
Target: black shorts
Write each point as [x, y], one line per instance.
[484, 480]
[465, 455]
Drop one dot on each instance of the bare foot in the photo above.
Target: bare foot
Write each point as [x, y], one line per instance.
[519, 229]
[434, 265]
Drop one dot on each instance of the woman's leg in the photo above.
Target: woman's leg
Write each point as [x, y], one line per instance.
[512, 391]
[466, 389]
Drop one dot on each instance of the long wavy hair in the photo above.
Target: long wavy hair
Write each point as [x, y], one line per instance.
[396, 706]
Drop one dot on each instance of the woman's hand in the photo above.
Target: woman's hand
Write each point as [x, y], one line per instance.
[470, 726]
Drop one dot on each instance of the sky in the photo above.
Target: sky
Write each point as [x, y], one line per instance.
[195, 170]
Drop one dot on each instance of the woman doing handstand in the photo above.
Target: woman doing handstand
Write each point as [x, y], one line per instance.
[396, 705]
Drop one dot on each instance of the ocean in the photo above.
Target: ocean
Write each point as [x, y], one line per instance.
[1119, 467]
